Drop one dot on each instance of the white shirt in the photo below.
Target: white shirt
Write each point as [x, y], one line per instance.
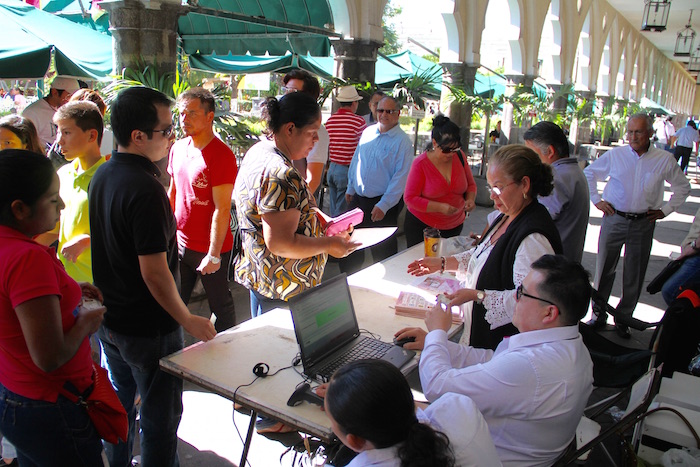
[41, 115]
[319, 153]
[687, 136]
[636, 184]
[459, 419]
[531, 390]
[499, 304]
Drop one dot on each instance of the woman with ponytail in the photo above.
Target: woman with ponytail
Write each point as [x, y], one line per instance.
[372, 412]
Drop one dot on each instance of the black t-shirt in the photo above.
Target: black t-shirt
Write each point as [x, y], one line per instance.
[130, 215]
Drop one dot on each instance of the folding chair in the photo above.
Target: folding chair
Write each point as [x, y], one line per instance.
[640, 393]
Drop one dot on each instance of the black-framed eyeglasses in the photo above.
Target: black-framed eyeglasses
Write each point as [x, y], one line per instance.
[167, 132]
[388, 111]
[519, 293]
[498, 191]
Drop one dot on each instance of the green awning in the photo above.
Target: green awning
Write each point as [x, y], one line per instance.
[28, 36]
[257, 27]
[93, 17]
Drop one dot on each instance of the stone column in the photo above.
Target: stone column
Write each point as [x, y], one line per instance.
[144, 32]
[459, 75]
[356, 60]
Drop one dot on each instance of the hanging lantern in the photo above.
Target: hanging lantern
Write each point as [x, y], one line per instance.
[694, 64]
[685, 39]
[655, 15]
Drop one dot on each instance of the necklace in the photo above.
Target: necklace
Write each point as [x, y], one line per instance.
[489, 244]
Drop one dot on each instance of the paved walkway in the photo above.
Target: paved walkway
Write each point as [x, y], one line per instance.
[208, 437]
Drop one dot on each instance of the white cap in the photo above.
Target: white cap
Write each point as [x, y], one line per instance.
[67, 84]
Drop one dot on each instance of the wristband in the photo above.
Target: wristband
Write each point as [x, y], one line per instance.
[443, 260]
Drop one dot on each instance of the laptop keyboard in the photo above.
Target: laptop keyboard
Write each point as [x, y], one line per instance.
[365, 348]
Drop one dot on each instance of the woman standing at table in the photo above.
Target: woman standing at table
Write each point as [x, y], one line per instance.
[43, 329]
[440, 189]
[492, 270]
[284, 251]
[371, 409]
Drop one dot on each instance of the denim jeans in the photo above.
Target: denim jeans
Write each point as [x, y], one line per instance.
[260, 304]
[48, 433]
[337, 178]
[688, 272]
[133, 366]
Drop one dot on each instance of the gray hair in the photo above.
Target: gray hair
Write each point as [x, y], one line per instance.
[643, 116]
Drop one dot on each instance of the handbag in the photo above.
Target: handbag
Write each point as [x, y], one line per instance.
[100, 400]
[103, 407]
[658, 282]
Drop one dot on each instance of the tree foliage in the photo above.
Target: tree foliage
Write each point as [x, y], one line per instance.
[392, 44]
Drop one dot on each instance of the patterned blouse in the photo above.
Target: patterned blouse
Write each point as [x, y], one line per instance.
[267, 182]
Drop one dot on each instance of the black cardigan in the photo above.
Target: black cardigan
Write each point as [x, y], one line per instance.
[497, 273]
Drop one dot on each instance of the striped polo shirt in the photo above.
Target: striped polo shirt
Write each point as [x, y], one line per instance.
[344, 131]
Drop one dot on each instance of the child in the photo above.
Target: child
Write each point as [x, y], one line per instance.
[80, 128]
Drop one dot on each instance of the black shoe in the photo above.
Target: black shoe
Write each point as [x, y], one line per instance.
[599, 321]
[623, 331]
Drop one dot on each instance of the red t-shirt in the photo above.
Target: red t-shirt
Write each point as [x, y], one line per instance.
[426, 183]
[344, 131]
[194, 174]
[27, 271]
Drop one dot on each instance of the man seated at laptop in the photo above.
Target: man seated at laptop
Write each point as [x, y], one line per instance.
[533, 388]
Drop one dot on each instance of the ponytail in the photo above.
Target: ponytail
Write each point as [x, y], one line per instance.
[425, 447]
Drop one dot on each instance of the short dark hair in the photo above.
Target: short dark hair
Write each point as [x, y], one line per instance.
[565, 283]
[445, 131]
[206, 98]
[24, 176]
[25, 130]
[372, 399]
[545, 134]
[311, 85]
[297, 107]
[518, 161]
[692, 124]
[85, 114]
[135, 109]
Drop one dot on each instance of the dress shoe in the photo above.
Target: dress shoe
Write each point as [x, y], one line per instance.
[599, 321]
[623, 331]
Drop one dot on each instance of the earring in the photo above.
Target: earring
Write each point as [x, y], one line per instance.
[524, 195]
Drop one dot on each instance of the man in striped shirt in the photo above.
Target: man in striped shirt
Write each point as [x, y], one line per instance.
[344, 131]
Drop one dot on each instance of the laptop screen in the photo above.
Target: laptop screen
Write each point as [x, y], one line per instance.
[324, 319]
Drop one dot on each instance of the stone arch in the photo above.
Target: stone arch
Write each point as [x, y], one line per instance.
[501, 30]
[567, 20]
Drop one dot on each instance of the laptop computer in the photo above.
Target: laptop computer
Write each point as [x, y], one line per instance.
[328, 335]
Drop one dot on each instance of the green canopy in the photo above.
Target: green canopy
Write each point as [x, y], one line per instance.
[28, 36]
[256, 27]
[92, 17]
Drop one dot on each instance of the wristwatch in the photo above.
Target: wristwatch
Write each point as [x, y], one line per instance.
[214, 259]
[694, 245]
[480, 296]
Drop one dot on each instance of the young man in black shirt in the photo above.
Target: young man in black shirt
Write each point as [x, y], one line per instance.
[134, 260]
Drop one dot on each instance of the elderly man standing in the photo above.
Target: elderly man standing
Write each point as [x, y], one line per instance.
[568, 204]
[632, 202]
[533, 388]
[377, 178]
[344, 130]
[203, 170]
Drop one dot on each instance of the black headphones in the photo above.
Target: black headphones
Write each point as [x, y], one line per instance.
[261, 370]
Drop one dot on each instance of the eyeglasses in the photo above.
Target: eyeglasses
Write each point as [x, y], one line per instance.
[519, 293]
[388, 111]
[286, 90]
[167, 132]
[496, 190]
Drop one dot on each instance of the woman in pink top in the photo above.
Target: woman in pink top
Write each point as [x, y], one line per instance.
[440, 189]
[43, 327]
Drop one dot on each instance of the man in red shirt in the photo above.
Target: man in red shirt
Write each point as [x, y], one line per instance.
[203, 170]
[344, 130]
